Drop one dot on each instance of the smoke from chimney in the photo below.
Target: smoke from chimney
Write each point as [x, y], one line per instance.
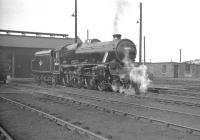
[121, 4]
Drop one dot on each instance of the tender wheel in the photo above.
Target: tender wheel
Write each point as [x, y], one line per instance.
[101, 86]
[91, 84]
[115, 86]
[53, 81]
[76, 82]
[66, 80]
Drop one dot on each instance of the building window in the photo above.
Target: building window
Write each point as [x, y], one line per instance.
[164, 69]
[187, 68]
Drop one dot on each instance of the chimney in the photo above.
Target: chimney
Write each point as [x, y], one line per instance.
[117, 37]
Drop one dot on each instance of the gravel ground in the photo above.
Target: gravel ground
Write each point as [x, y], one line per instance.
[25, 125]
[117, 127]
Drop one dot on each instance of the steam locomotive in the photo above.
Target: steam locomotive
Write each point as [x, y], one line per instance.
[95, 65]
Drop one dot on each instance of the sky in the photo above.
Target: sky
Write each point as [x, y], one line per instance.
[168, 25]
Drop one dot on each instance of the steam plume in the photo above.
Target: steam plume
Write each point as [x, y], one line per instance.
[136, 74]
[121, 4]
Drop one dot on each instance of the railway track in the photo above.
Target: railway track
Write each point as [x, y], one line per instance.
[69, 126]
[124, 103]
[171, 100]
[175, 91]
[127, 113]
[4, 135]
[184, 100]
[129, 128]
[134, 115]
[163, 100]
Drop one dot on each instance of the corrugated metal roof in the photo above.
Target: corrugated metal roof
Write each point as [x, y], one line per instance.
[33, 41]
[32, 33]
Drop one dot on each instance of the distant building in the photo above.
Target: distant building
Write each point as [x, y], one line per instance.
[18, 47]
[174, 70]
[196, 61]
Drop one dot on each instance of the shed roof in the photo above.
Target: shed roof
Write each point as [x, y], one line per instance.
[7, 40]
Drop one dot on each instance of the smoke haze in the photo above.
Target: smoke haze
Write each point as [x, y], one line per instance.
[120, 5]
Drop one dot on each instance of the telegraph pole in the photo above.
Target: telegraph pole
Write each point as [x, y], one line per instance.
[180, 55]
[144, 51]
[75, 21]
[87, 34]
[140, 36]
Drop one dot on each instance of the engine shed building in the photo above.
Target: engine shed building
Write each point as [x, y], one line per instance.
[174, 70]
[18, 47]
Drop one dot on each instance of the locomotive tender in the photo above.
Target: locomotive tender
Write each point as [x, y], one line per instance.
[95, 65]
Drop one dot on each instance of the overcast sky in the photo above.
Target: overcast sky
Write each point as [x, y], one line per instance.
[169, 25]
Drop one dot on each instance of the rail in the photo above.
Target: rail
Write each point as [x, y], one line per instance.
[4, 135]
